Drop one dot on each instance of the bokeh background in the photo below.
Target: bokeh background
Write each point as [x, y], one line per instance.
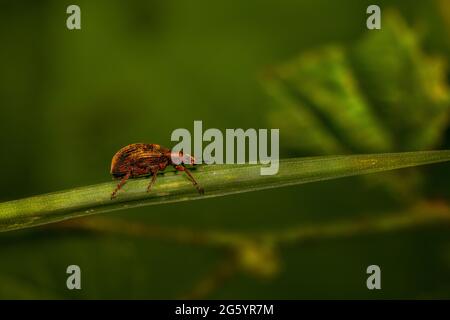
[140, 69]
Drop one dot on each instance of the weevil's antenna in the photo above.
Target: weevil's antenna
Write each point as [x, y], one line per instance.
[180, 158]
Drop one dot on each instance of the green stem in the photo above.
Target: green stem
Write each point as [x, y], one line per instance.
[217, 180]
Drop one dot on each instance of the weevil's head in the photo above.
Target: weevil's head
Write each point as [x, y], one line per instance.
[182, 158]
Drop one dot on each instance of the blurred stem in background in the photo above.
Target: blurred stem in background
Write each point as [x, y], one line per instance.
[257, 253]
[422, 213]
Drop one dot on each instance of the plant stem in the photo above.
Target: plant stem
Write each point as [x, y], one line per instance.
[217, 180]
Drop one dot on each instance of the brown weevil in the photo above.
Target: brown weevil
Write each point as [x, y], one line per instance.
[141, 159]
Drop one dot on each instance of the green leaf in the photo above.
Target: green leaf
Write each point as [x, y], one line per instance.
[382, 94]
[217, 180]
[408, 88]
[324, 81]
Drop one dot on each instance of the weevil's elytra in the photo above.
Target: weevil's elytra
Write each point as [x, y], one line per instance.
[141, 159]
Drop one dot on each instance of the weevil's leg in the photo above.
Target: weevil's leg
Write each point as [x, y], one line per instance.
[120, 185]
[194, 182]
[152, 182]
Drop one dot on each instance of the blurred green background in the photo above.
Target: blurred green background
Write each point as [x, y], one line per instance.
[137, 70]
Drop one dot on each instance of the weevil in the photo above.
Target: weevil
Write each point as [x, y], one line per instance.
[141, 159]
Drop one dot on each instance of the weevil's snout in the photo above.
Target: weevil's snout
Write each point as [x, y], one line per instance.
[188, 159]
[180, 157]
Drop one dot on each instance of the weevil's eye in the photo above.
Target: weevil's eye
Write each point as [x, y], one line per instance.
[185, 158]
[182, 157]
[177, 157]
